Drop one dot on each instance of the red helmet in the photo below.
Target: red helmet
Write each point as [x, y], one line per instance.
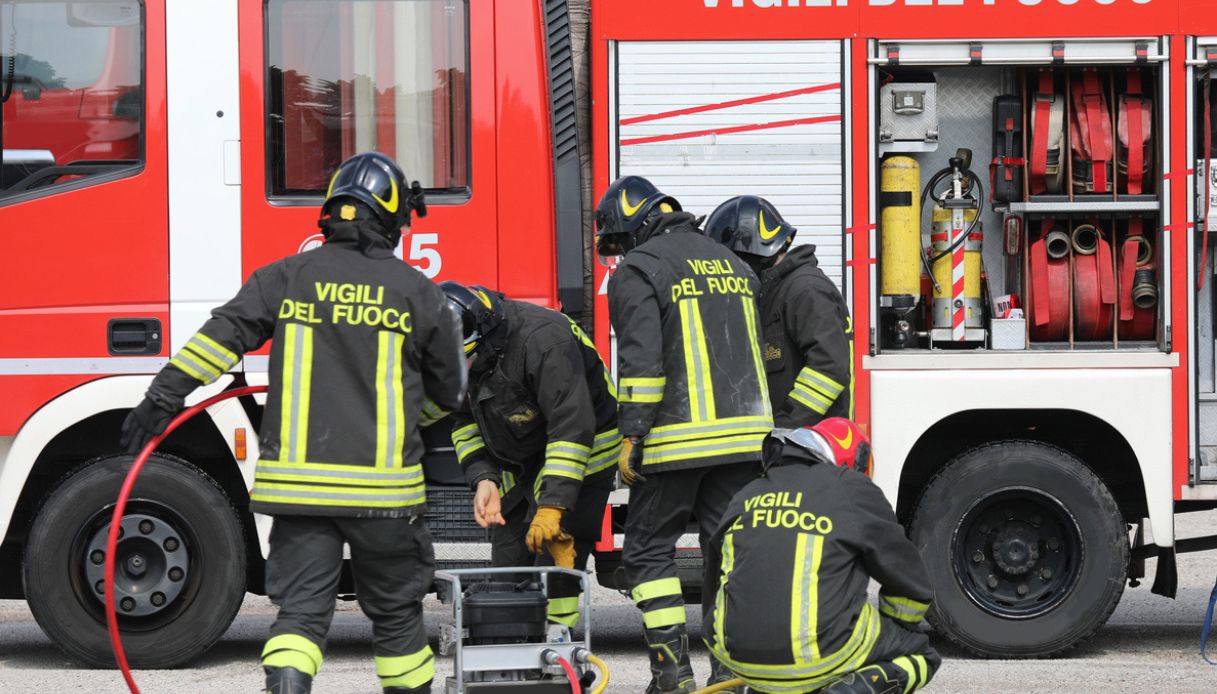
[836, 440]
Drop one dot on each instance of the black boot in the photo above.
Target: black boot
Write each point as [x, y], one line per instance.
[426, 689]
[287, 680]
[720, 673]
[872, 679]
[671, 672]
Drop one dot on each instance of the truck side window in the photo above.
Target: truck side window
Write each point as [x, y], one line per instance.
[357, 75]
[72, 85]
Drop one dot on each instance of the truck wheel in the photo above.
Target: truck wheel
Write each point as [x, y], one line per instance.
[1026, 550]
[180, 565]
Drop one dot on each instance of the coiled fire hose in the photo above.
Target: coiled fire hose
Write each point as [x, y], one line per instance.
[120, 506]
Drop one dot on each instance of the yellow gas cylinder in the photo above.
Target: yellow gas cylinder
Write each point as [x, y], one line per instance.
[900, 240]
[944, 271]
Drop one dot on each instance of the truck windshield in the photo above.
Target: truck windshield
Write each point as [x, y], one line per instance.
[358, 75]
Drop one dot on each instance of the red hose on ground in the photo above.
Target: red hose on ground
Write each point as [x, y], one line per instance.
[570, 675]
[120, 507]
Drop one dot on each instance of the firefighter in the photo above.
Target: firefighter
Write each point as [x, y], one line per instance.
[794, 554]
[693, 401]
[365, 350]
[536, 437]
[808, 334]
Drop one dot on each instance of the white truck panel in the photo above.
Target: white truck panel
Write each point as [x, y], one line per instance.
[1135, 402]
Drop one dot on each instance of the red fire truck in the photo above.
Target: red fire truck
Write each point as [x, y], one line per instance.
[1016, 219]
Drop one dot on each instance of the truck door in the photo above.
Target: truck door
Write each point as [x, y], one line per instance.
[83, 243]
[1203, 198]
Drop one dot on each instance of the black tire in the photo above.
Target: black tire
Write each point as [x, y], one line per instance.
[186, 507]
[1026, 549]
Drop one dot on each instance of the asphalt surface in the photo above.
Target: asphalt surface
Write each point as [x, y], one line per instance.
[1150, 646]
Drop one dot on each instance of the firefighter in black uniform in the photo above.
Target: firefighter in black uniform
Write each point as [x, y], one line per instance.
[807, 331]
[794, 554]
[693, 401]
[365, 350]
[537, 436]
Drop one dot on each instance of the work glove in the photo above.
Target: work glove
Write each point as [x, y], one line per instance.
[630, 462]
[488, 504]
[546, 527]
[562, 549]
[146, 421]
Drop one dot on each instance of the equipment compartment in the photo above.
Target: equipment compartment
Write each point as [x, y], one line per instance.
[1044, 215]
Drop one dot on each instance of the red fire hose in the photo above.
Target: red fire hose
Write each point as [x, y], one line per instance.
[120, 507]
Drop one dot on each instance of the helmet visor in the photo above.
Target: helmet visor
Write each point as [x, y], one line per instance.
[809, 441]
[469, 332]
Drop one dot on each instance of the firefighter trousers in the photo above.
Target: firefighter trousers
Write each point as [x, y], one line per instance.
[659, 513]
[583, 522]
[392, 561]
[904, 656]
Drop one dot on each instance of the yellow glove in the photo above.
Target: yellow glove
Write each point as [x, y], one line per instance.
[562, 549]
[546, 526]
[623, 463]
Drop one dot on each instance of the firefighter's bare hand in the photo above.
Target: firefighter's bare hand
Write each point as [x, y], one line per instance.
[546, 527]
[562, 549]
[623, 463]
[488, 505]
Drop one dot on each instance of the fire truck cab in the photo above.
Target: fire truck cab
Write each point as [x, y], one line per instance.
[155, 153]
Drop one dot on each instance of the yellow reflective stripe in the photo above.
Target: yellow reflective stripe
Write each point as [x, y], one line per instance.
[568, 449]
[665, 617]
[298, 496]
[644, 382]
[659, 588]
[700, 430]
[294, 400]
[910, 670]
[810, 399]
[507, 482]
[849, 657]
[635, 396]
[344, 470]
[192, 369]
[431, 413]
[225, 355]
[819, 381]
[291, 650]
[408, 477]
[608, 437]
[902, 609]
[804, 623]
[189, 353]
[720, 600]
[907, 603]
[465, 449]
[557, 467]
[409, 671]
[640, 389]
[697, 362]
[754, 346]
[466, 432]
[923, 670]
[604, 459]
[726, 445]
[390, 411]
[208, 354]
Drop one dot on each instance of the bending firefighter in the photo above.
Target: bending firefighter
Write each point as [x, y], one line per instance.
[537, 436]
[693, 401]
[808, 335]
[365, 351]
[794, 555]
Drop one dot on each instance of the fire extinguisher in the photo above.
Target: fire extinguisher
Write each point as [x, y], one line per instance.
[954, 258]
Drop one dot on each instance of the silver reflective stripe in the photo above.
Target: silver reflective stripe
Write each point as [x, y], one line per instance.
[102, 366]
[743, 425]
[407, 477]
[222, 361]
[405, 496]
[297, 366]
[562, 448]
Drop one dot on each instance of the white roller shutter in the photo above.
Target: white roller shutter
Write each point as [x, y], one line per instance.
[706, 120]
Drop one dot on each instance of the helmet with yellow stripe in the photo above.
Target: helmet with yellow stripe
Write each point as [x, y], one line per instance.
[624, 210]
[376, 181]
[479, 310]
[752, 227]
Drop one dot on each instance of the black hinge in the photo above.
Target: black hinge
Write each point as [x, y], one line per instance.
[1058, 52]
[893, 54]
[975, 53]
[1210, 55]
[1141, 50]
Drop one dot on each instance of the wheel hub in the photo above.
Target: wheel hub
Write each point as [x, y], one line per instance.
[151, 565]
[1016, 549]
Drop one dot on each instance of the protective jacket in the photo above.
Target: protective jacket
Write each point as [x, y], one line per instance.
[540, 413]
[365, 349]
[690, 375]
[796, 550]
[809, 342]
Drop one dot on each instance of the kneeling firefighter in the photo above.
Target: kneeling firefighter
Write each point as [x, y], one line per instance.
[537, 436]
[808, 336]
[795, 553]
[693, 399]
[365, 347]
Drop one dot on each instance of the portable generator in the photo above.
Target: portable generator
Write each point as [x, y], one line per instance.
[499, 638]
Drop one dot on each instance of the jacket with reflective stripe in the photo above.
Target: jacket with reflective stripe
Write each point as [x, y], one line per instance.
[690, 373]
[540, 414]
[796, 550]
[365, 348]
[808, 342]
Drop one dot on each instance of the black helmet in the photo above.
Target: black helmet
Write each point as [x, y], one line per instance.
[628, 204]
[479, 309]
[750, 226]
[378, 182]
